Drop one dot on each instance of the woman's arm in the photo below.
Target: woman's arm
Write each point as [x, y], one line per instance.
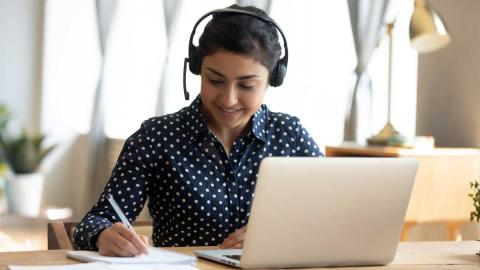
[129, 184]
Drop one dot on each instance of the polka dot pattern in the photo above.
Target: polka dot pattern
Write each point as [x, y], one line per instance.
[197, 193]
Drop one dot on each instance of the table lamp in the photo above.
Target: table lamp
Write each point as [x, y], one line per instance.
[427, 34]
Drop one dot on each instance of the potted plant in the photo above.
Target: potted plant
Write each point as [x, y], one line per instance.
[23, 153]
[475, 214]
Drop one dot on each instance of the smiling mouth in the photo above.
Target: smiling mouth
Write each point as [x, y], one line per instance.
[228, 110]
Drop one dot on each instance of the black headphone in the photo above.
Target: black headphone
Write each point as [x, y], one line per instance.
[194, 60]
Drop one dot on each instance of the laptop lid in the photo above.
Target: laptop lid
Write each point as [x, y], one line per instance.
[327, 212]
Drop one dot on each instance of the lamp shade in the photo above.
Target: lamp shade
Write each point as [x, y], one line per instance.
[427, 29]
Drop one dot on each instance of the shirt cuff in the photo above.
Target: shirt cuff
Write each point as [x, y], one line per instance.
[87, 232]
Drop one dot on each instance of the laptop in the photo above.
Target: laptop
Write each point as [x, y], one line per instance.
[313, 212]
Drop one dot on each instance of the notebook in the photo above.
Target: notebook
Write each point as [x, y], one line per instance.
[155, 255]
[312, 212]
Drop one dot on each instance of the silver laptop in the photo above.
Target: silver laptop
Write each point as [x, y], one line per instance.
[311, 212]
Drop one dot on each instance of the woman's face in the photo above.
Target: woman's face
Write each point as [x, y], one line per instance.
[232, 89]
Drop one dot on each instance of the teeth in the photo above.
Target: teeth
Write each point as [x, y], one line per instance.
[226, 110]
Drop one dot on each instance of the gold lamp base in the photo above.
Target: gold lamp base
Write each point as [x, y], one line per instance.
[388, 135]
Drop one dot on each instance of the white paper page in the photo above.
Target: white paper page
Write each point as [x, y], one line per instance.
[79, 266]
[155, 255]
[151, 266]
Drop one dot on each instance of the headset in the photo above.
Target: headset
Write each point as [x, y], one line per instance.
[194, 61]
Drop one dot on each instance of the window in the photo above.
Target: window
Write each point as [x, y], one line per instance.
[320, 68]
[71, 65]
[134, 62]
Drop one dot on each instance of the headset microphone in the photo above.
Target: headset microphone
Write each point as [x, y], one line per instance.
[194, 62]
[185, 92]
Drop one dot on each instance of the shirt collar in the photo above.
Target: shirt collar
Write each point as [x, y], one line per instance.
[196, 125]
[259, 121]
[193, 119]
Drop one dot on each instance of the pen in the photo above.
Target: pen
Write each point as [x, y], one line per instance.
[119, 212]
[122, 216]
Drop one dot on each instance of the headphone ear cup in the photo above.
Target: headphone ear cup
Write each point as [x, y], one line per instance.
[278, 74]
[193, 61]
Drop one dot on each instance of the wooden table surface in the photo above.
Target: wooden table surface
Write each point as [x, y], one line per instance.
[410, 255]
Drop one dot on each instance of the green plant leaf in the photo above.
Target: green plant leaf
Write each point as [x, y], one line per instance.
[24, 153]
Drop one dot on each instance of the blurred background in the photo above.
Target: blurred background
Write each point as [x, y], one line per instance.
[86, 73]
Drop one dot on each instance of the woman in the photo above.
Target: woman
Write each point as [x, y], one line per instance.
[198, 166]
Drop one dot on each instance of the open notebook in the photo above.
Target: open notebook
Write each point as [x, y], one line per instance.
[155, 256]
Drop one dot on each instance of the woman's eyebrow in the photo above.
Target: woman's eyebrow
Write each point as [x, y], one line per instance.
[241, 78]
[215, 72]
[246, 77]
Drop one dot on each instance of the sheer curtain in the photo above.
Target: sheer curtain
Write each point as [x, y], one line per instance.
[71, 68]
[368, 24]
[404, 74]
[321, 60]
[105, 11]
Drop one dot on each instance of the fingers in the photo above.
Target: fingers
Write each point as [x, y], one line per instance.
[107, 245]
[118, 240]
[235, 239]
[145, 239]
[139, 246]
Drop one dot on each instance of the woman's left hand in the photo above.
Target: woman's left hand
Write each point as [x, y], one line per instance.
[235, 239]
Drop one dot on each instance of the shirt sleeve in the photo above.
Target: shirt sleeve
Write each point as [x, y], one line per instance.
[305, 145]
[128, 184]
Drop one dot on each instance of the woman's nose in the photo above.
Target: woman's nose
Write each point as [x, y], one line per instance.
[229, 97]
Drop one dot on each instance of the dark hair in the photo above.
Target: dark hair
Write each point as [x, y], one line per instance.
[242, 34]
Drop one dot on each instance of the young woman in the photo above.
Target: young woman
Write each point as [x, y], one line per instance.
[198, 166]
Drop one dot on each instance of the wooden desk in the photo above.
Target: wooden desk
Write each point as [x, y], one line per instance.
[410, 255]
[440, 193]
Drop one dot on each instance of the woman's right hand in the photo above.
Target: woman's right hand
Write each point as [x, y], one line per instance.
[118, 240]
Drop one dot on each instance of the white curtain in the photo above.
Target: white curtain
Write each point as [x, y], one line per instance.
[97, 161]
[368, 25]
[321, 59]
[172, 11]
[71, 67]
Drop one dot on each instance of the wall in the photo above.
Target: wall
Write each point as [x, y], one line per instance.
[448, 98]
[448, 94]
[20, 60]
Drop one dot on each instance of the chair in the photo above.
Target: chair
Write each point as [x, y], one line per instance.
[60, 233]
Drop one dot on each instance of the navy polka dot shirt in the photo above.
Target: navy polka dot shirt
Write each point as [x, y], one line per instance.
[197, 193]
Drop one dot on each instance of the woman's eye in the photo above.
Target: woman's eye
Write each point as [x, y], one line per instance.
[247, 87]
[212, 81]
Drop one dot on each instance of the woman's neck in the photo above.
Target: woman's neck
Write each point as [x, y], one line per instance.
[226, 136]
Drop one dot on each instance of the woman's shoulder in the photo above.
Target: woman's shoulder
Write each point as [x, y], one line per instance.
[280, 118]
[166, 122]
[281, 124]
